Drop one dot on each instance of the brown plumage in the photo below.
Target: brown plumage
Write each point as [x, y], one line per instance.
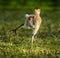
[36, 22]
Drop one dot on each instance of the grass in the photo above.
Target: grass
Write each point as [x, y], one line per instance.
[46, 45]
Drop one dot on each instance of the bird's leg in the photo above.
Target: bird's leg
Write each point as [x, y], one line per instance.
[31, 42]
[14, 30]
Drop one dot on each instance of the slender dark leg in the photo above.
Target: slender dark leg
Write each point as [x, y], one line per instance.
[14, 30]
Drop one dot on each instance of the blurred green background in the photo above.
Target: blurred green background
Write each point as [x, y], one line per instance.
[21, 4]
[47, 40]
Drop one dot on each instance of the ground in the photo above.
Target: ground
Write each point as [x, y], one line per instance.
[47, 40]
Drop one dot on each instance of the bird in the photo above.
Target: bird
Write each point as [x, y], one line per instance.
[32, 21]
